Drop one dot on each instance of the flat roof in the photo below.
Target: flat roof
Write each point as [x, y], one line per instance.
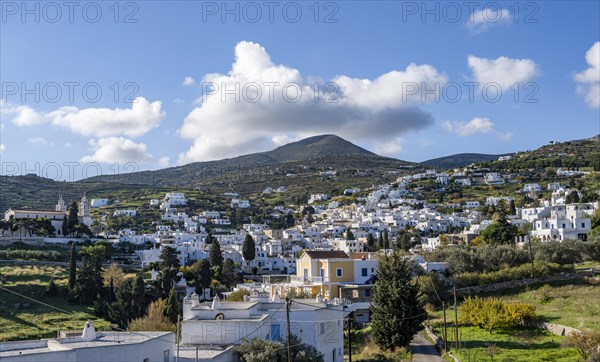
[103, 339]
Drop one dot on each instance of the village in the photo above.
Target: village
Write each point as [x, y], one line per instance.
[329, 259]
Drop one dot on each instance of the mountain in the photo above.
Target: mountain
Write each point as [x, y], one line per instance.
[317, 146]
[461, 160]
[324, 150]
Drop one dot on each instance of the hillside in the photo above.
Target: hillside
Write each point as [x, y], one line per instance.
[295, 165]
[327, 151]
[461, 160]
[570, 154]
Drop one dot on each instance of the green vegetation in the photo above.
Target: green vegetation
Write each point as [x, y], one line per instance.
[396, 312]
[364, 349]
[490, 313]
[261, 350]
[509, 344]
[574, 304]
[31, 320]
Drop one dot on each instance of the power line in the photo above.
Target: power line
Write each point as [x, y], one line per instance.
[36, 301]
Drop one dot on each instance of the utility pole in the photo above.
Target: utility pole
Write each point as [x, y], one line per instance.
[177, 340]
[349, 340]
[288, 302]
[455, 319]
[445, 332]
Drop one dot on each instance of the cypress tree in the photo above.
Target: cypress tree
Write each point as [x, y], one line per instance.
[248, 249]
[172, 306]
[72, 268]
[370, 242]
[215, 257]
[396, 313]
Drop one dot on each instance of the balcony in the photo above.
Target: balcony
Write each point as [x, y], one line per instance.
[296, 279]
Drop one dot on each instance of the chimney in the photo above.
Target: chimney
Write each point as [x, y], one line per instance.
[195, 300]
[89, 333]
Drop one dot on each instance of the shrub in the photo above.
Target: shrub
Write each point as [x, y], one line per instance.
[489, 313]
[543, 294]
[587, 344]
[238, 295]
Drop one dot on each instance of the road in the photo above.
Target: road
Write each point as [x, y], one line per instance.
[423, 350]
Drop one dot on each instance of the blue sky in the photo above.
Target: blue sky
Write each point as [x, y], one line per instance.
[384, 75]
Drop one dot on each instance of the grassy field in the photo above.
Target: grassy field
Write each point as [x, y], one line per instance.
[574, 304]
[571, 304]
[519, 344]
[32, 320]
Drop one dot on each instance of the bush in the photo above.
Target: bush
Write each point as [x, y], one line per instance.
[587, 344]
[52, 289]
[238, 295]
[489, 313]
[543, 294]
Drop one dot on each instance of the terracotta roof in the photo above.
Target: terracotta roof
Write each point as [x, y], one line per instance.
[326, 254]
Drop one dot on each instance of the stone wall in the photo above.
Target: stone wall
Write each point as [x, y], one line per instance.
[522, 282]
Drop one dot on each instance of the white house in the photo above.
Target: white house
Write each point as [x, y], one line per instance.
[532, 187]
[176, 198]
[317, 197]
[98, 202]
[316, 322]
[131, 213]
[94, 346]
[472, 204]
[239, 203]
[493, 178]
[565, 222]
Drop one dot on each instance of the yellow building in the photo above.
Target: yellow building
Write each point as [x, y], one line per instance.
[318, 272]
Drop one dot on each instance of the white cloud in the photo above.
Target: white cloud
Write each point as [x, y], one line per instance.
[68, 145]
[99, 122]
[117, 149]
[589, 80]
[483, 19]
[38, 140]
[281, 140]
[475, 126]
[503, 71]
[164, 161]
[389, 148]
[2, 147]
[262, 117]
[24, 115]
[188, 81]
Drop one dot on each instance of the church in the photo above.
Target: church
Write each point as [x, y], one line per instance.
[57, 216]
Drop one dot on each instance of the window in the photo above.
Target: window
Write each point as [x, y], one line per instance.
[322, 272]
[166, 356]
[583, 225]
[355, 294]
[339, 272]
[365, 272]
[367, 292]
[322, 328]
